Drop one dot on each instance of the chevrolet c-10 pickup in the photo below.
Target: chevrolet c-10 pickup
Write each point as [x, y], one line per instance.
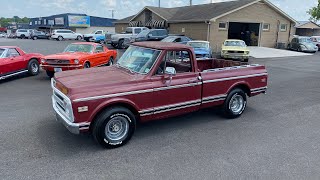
[152, 80]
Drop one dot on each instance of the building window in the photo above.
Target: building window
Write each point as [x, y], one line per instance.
[30, 23]
[44, 21]
[36, 22]
[39, 22]
[183, 30]
[266, 27]
[222, 25]
[283, 27]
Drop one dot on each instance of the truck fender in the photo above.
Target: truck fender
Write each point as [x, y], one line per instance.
[114, 102]
[243, 85]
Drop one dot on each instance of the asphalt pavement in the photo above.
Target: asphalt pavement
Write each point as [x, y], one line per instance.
[277, 137]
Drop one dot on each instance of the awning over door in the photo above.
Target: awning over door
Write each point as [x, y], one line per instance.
[135, 24]
[156, 24]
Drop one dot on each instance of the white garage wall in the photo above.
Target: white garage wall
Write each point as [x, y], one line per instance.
[91, 29]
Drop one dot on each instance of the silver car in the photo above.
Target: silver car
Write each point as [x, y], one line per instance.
[303, 44]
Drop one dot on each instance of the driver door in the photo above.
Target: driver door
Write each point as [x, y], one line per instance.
[100, 56]
[16, 60]
[179, 92]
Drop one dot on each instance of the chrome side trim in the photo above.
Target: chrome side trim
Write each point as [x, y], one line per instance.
[259, 89]
[178, 86]
[112, 95]
[182, 107]
[233, 78]
[231, 68]
[135, 92]
[214, 97]
[10, 75]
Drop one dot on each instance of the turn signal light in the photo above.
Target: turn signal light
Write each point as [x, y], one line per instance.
[62, 88]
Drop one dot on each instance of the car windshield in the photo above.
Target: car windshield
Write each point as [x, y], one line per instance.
[143, 33]
[168, 39]
[235, 43]
[79, 48]
[199, 44]
[2, 53]
[128, 31]
[305, 40]
[138, 59]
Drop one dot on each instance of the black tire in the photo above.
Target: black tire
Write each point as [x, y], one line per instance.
[86, 65]
[50, 74]
[111, 61]
[33, 67]
[87, 40]
[120, 44]
[22, 36]
[299, 49]
[79, 38]
[246, 60]
[35, 38]
[126, 120]
[60, 38]
[229, 111]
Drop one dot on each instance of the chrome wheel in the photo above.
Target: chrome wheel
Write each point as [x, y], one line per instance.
[236, 104]
[117, 128]
[34, 68]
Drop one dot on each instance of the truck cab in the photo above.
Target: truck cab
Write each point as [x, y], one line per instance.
[117, 40]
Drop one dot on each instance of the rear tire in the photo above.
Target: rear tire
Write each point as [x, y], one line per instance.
[50, 74]
[60, 38]
[33, 67]
[79, 38]
[235, 103]
[114, 127]
[22, 36]
[120, 44]
[111, 61]
[86, 65]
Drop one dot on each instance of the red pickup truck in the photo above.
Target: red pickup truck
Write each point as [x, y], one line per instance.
[152, 80]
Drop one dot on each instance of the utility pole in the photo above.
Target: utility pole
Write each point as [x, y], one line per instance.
[190, 2]
[112, 11]
[159, 3]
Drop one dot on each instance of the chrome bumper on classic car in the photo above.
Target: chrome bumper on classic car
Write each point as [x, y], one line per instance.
[59, 66]
[63, 110]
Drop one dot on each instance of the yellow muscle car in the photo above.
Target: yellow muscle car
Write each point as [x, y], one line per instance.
[235, 49]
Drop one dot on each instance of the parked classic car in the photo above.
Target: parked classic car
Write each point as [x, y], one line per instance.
[235, 49]
[14, 61]
[181, 39]
[39, 35]
[202, 49]
[150, 82]
[78, 56]
[316, 41]
[302, 44]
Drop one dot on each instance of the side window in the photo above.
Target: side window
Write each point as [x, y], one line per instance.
[180, 60]
[99, 32]
[185, 39]
[137, 31]
[177, 40]
[99, 49]
[13, 53]
[153, 33]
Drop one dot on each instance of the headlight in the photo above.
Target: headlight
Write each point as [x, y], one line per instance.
[43, 60]
[246, 52]
[224, 52]
[76, 61]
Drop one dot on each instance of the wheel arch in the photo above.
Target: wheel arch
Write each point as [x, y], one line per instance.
[114, 103]
[241, 85]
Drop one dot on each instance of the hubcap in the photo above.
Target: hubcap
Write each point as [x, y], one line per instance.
[236, 104]
[117, 128]
[34, 67]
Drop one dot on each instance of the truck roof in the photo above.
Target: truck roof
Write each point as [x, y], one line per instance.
[162, 45]
[6, 47]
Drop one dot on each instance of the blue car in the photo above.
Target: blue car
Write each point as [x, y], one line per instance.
[202, 49]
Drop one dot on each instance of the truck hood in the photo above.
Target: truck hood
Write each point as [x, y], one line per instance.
[97, 81]
[121, 35]
[67, 55]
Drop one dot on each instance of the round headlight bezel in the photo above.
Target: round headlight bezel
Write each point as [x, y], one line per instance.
[76, 61]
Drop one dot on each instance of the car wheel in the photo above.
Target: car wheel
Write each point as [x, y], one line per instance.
[50, 74]
[22, 36]
[111, 61]
[235, 103]
[120, 44]
[33, 67]
[114, 127]
[60, 38]
[101, 42]
[79, 38]
[34, 38]
[113, 45]
[86, 65]
[299, 49]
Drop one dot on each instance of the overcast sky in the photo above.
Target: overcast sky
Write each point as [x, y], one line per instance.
[123, 8]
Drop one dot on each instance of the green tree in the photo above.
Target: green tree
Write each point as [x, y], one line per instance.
[315, 13]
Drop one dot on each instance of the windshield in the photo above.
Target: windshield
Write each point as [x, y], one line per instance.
[2, 53]
[128, 31]
[235, 43]
[143, 33]
[138, 59]
[168, 39]
[79, 48]
[305, 40]
[199, 45]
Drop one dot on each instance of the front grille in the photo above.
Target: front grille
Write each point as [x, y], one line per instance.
[60, 102]
[235, 51]
[57, 61]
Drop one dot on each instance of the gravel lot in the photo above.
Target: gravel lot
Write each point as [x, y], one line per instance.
[276, 138]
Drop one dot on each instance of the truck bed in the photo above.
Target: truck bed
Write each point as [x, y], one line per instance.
[206, 65]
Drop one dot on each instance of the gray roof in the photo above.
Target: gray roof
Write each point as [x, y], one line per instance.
[124, 20]
[301, 23]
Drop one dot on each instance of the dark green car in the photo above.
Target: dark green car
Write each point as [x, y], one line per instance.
[302, 44]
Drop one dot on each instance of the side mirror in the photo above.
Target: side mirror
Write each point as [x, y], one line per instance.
[170, 71]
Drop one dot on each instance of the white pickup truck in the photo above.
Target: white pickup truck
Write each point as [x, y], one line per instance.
[117, 40]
